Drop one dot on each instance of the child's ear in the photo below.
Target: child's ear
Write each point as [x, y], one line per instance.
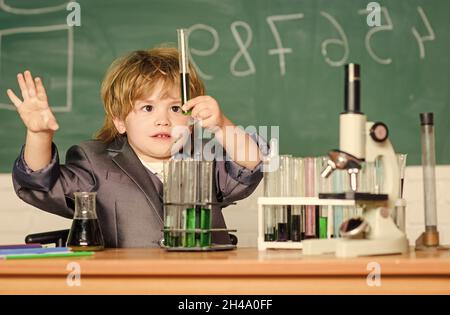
[120, 125]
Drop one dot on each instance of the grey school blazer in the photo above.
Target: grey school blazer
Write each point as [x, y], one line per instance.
[129, 196]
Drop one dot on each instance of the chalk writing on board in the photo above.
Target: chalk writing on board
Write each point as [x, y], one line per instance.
[26, 11]
[244, 41]
[42, 29]
[280, 50]
[208, 52]
[336, 41]
[385, 27]
[421, 39]
[241, 64]
[243, 52]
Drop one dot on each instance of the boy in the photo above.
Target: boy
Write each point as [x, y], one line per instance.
[123, 165]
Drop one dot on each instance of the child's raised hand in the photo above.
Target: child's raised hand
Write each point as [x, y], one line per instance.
[33, 109]
[207, 110]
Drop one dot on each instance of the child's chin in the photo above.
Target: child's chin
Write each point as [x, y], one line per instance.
[160, 156]
[164, 153]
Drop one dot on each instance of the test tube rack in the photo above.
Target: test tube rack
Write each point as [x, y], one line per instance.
[291, 201]
[202, 231]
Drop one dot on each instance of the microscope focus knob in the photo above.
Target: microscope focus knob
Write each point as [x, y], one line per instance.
[379, 132]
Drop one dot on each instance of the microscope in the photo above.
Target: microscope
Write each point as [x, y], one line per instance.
[374, 233]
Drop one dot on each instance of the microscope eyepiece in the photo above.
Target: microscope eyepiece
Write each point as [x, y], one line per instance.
[426, 119]
[352, 88]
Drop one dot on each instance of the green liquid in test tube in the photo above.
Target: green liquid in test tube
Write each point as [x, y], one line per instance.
[198, 218]
[323, 223]
[167, 237]
[205, 222]
[190, 225]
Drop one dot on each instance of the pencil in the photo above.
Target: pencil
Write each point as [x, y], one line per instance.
[56, 255]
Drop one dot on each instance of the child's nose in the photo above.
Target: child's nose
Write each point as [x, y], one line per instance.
[162, 119]
[162, 122]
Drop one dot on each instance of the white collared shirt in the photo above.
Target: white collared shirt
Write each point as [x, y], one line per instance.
[154, 167]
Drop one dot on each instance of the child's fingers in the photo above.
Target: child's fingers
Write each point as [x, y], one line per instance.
[198, 108]
[23, 86]
[193, 102]
[210, 123]
[202, 114]
[40, 89]
[13, 97]
[30, 84]
[53, 125]
[188, 105]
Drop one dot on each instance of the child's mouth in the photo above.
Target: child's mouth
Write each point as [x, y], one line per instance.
[162, 136]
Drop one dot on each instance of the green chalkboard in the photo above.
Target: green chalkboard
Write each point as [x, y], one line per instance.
[237, 45]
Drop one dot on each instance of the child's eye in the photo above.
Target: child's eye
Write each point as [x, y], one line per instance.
[176, 109]
[147, 108]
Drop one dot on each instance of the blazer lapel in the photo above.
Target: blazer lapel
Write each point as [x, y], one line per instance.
[130, 164]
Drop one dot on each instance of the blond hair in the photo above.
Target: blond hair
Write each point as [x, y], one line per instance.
[132, 76]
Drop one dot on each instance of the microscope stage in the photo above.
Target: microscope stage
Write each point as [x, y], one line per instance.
[354, 196]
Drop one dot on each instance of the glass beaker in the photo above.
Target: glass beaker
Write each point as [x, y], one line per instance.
[85, 233]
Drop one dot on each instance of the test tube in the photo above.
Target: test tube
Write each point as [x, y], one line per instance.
[269, 224]
[401, 159]
[338, 179]
[189, 188]
[296, 223]
[400, 211]
[283, 212]
[428, 168]
[323, 185]
[271, 189]
[288, 186]
[303, 217]
[298, 177]
[172, 178]
[310, 186]
[297, 191]
[184, 65]
[206, 198]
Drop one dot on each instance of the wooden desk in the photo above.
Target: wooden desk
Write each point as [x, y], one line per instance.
[242, 271]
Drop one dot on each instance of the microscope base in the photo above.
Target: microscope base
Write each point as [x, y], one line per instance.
[319, 246]
[355, 248]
